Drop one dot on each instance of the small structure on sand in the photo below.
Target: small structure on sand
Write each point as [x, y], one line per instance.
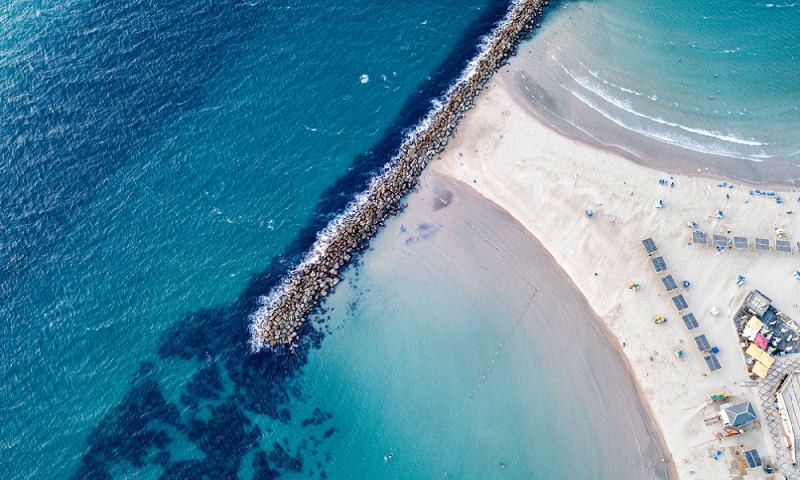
[737, 415]
[787, 402]
[765, 332]
[756, 303]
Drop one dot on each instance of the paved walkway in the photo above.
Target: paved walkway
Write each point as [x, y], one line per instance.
[766, 389]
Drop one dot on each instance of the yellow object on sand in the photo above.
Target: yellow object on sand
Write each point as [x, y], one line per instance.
[763, 360]
[760, 370]
[755, 324]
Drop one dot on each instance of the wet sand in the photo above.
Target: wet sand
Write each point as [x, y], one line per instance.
[647, 152]
[538, 81]
[547, 181]
[497, 358]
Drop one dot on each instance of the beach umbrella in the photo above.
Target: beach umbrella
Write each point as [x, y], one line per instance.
[718, 214]
[686, 284]
[589, 213]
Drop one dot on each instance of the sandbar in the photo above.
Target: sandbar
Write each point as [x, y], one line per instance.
[547, 182]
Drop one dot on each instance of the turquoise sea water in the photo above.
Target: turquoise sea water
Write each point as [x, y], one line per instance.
[162, 165]
[162, 161]
[708, 77]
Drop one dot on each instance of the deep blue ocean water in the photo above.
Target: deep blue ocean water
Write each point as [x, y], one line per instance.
[162, 164]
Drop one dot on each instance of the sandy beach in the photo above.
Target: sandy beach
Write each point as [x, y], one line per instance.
[547, 182]
[497, 359]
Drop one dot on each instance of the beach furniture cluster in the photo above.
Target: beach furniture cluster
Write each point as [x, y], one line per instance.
[764, 331]
[722, 242]
[769, 194]
[689, 320]
[284, 310]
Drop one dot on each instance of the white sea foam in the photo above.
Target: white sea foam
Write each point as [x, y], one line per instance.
[627, 107]
[596, 75]
[332, 231]
[665, 137]
[628, 90]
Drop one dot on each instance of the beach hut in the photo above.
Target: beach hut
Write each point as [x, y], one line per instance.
[757, 303]
[786, 402]
[737, 415]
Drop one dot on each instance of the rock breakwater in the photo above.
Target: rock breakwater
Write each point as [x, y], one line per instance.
[284, 310]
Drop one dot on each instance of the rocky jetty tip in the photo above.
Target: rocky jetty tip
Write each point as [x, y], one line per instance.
[285, 309]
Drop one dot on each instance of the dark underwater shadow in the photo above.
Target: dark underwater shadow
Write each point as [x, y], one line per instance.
[229, 383]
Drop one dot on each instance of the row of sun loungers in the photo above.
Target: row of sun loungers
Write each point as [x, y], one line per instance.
[742, 243]
[660, 266]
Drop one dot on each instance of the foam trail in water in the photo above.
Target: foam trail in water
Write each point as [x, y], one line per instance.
[672, 139]
[520, 12]
[625, 106]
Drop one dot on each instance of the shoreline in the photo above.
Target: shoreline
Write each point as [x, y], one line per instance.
[470, 288]
[649, 415]
[546, 181]
[284, 310]
[758, 174]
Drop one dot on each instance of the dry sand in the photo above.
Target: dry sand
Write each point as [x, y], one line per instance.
[496, 357]
[547, 182]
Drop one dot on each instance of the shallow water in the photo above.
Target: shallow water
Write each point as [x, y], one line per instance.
[161, 165]
[459, 348]
[671, 80]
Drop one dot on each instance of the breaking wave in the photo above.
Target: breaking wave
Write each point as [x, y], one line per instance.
[331, 232]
